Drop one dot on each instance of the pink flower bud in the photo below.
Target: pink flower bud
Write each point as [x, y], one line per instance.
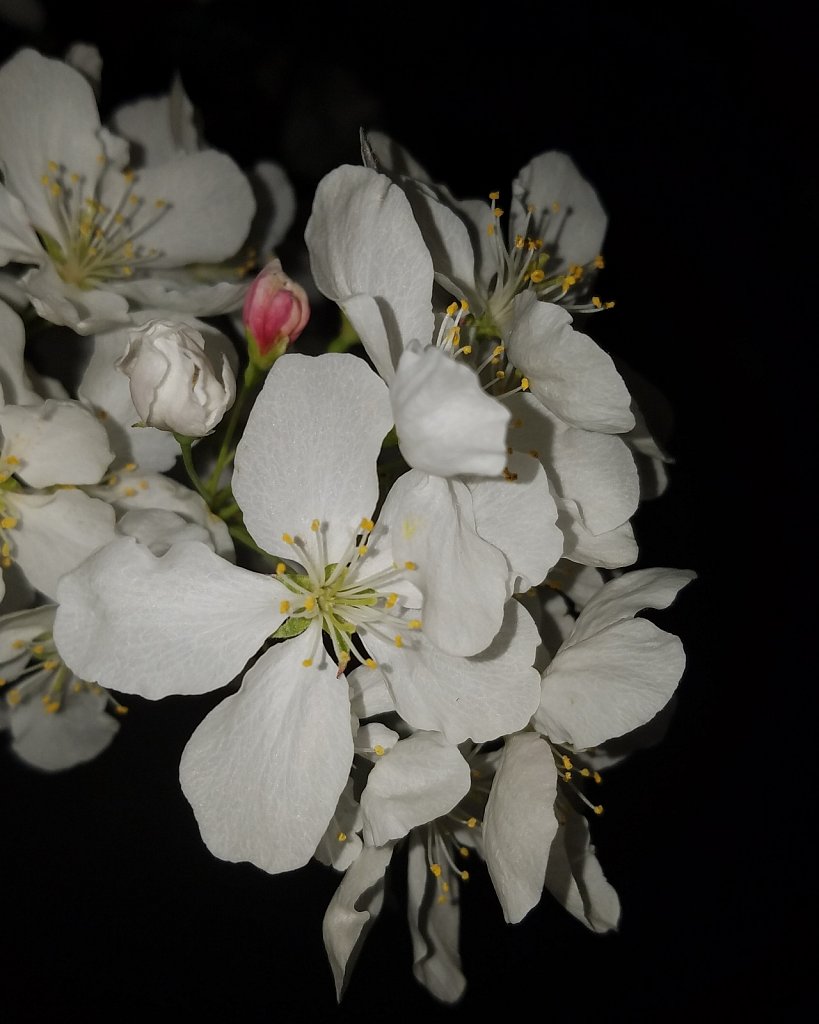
[275, 313]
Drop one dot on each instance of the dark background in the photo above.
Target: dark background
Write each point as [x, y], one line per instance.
[690, 123]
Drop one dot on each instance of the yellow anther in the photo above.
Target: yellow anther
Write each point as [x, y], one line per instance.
[414, 624]
[129, 467]
[127, 271]
[585, 772]
[399, 641]
[38, 649]
[498, 350]
[467, 349]
[490, 230]
[44, 179]
[598, 778]
[464, 851]
[452, 309]
[599, 262]
[444, 886]
[6, 562]
[144, 485]
[500, 374]
[281, 568]
[287, 538]
[471, 822]
[497, 212]
[128, 175]
[596, 302]
[567, 761]
[53, 166]
[598, 810]
[442, 899]
[18, 644]
[309, 603]
[51, 706]
[609, 305]
[435, 869]
[555, 207]
[494, 195]
[129, 492]
[51, 664]
[464, 306]
[134, 200]
[307, 662]
[8, 522]
[367, 524]
[410, 566]
[537, 276]
[314, 526]
[464, 876]
[371, 663]
[567, 776]
[14, 697]
[12, 460]
[342, 837]
[524, 386]
[519, 241]
[284, 607]
[4, 477]
[120, 709]
[378, 750]
[391, 599]
[5, 550]
[362, 550]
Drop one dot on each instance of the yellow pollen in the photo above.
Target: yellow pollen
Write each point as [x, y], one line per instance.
[144, 485]
[490, 230]
[464, 306]
[596, 302]
[51, 664]
[342, 837]
[287, 538]
[464, 876]
[128, 175]
[599, 262]
[8, 522]
[464, 851]
[371, 663]
[585, 772]
[5, 562]
[498, 350]
[598, 810]
[12, 460]
[129, 492]
[133, 200]
[367, 524]
[38, 649]
[524, 386]
[435, 869]
[567, 761]
[314, 526]
[281, 569]
[497, 212]
[307, 662]
[391, 599]
[467, 349]
[500, 374]
[537, 276]
[51, 706]
[284, 606]
[567, 776]
[519, 241]
[378, 750]
[598, 778]
[14, 697]
[452, 309]
[444, 886]
[494, 195]
[609, 305]
[18, 644]
[410, 566]
[442, 899]
[120, 709]
[362, 550]
[414, 624]
[309, 602]
[399, 641]
[471, 822]
[5, 551]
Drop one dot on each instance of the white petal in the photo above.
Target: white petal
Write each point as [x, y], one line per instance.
[567, 371]
[18, 240]
[15, 386]
[355, 905]
[623, 597]
[577, 229]
[610, 550]
[518, 515]
[85, 312]
[434, 927]
[161, 126]
[341, 845]
[363, 240]
[519, 823]
[445, 423]
[422, 778]
[464, 579]
[18, 629]
[183, 623]
[56, 443]
[181, 291]
[576, 880]
[265, 769]
[56, 532]
[275, 207]
[309, 451]
[480, 698]
[208, 212]
[609, 684]
[369, 693]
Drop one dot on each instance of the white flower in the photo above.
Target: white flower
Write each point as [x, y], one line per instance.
[95, 230]
[174, 386]
[264, 771]
[56, 720]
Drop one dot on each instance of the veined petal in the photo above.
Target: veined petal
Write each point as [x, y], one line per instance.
[56, 443]
[56, 532]
[363, 240]
[15, 386]
[610, 550]
[567, 371]
[464, 578]
[265, 769]
[18, 240]
[576, 229]
[356, 904]
[609, 684]
[309, 451]
[422, 778]
[519, 823]
[576, 880]
[518, 515]
[156, 626]
[85, 312]
[446, 424]
[478, 698]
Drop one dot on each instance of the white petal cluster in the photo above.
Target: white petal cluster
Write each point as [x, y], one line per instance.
[410, 566]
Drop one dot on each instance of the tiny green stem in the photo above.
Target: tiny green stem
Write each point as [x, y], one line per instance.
[226, 453]
[185, 443]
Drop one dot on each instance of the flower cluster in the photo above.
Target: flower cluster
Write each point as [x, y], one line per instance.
[408, 553]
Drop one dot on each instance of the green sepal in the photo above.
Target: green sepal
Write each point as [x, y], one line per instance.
[291, 627]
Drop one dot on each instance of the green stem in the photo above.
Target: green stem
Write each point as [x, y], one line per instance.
[186, 444]
[240, 533]
[251, 376]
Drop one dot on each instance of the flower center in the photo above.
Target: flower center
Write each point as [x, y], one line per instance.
[338, 598]
[98, 242]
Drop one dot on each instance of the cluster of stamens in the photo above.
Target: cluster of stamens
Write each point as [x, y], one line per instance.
[570, 770]
[8, 520]
[98, 242]
[341, 599]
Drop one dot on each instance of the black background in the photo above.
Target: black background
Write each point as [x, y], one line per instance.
[690, 123]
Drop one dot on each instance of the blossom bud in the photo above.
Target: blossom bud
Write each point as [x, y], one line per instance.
[275, 313]
[174, 385]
